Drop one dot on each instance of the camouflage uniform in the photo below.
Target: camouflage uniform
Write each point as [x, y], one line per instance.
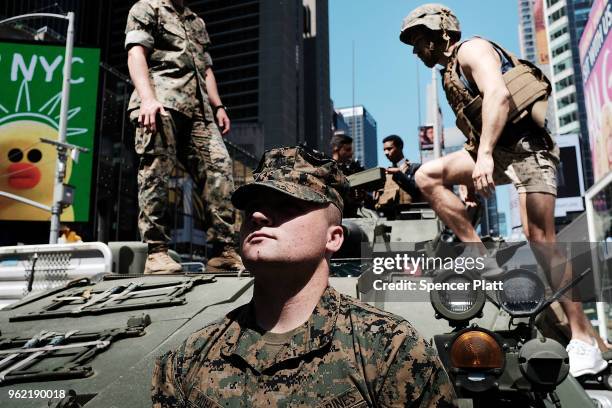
[302, 173]
[348, 354]
[177, 42]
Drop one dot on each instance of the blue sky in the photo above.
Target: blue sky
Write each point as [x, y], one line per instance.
[387, 80]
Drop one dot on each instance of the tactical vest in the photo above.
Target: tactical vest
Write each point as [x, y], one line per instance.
[391, 195]
[529, 90]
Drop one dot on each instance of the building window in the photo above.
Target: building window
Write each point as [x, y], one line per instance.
[556, 15]
[551, 3]
[558, 33]
[564, 83]
[566, 100]
[567, 119]
[563, 65]
[560, 50]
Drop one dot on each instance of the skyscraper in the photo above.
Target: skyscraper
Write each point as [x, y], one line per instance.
[534, 45]
[317, 102]
[527, 30]
[338, 122]
[503, 228]
[565, 20]
[258, 52]
[489, 221]
[363, 130]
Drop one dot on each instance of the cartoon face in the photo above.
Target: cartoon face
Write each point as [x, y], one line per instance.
[27, 168]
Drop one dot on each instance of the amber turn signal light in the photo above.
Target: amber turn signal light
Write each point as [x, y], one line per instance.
[476, 349]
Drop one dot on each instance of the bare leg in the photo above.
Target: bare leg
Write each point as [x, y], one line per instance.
[539, 208]
[434, 179]
[523, 213]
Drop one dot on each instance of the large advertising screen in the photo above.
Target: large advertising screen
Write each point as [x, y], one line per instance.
[595, 50]
[570, 184]
[30, 110]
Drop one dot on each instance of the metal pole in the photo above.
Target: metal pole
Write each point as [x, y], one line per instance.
[60, 169]
[602, 319]
[32, 15]
[353, 87]
[25, 201]
[436, 125]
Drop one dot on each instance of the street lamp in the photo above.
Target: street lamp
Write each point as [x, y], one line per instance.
[63, 148]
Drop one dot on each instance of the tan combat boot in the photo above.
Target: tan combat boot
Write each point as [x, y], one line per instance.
[161, 263]
[228, 261]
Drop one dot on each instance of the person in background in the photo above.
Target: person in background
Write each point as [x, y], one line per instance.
[68, 236]
[400, 187]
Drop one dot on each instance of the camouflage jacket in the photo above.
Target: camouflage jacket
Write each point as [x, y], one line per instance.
[348, 354]
[178, 57]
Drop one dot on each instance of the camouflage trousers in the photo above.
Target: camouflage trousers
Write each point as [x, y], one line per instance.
[530, 164]
[198, 145]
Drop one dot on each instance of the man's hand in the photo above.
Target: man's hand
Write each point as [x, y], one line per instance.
[223, 121]
[483, 175]
[148, 112]
[468, 195]
[139, 72]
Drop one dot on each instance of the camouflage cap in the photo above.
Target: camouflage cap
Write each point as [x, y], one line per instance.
[434, 16]
[299, 172]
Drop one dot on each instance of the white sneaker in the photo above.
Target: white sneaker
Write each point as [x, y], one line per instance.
[585, 358]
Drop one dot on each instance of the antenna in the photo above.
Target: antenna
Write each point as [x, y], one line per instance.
[353, 110]
[436, 125]
[418, 88]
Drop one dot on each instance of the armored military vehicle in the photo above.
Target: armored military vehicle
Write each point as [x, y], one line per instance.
[91, 341]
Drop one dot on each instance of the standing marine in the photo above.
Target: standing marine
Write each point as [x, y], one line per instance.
[178, 113]
[500, 104]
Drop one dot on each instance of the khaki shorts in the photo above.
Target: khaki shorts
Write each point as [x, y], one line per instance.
[528, 164]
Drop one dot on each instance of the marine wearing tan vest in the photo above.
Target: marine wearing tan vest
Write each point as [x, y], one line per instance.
[529, 89]
[528, 86]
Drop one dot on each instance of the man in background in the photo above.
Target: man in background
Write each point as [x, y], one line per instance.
[400, 187]
[342, 153]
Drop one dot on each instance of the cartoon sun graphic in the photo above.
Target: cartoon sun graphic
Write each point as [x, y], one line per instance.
[27, 165]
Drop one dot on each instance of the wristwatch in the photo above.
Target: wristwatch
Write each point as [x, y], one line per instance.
[216, 108]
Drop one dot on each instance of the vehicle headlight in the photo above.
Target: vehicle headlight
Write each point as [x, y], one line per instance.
[457, 301]
[523, 292]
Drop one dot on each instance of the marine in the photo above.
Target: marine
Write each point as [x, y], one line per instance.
[178, 113]
[500, 103]
[299, 342]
